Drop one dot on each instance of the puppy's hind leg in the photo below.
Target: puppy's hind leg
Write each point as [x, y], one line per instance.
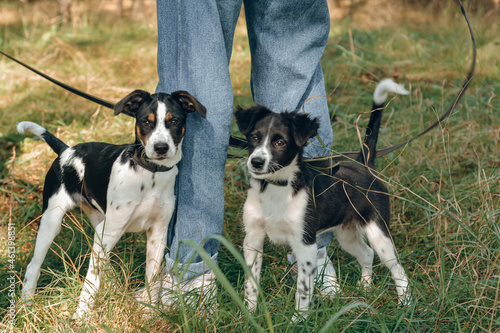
[351, 239]
[383, 245]
[50, 227]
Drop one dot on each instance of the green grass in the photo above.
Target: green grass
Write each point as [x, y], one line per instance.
[445, 186]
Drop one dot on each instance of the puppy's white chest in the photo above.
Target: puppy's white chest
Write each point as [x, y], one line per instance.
[283, 212]
[140, 197]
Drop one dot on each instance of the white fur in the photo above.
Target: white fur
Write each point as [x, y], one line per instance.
[385, 249]
[36, 129]
[50, 226]
[262, 151]
[385, 87]
[68, 158]
[160, 135]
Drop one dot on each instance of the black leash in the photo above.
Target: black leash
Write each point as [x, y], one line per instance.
[64, 85]
[326, 163]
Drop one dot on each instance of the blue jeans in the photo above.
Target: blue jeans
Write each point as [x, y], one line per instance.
[287, 39]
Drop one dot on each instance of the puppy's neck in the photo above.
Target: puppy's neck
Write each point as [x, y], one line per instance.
[163, 165]
[284, 177]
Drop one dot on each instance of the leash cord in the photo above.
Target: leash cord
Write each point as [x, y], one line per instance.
[64, 85]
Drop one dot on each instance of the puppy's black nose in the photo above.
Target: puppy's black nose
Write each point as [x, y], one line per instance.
[257, 162]
[161, 148]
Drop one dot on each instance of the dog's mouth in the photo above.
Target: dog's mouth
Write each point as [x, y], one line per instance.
[264, 172]
[159, 157]
[260, 175]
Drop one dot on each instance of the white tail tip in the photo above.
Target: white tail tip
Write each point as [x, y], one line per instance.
[385, 87]
[36, 129]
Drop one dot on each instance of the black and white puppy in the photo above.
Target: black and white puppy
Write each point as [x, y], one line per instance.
[122, 188]
[292, 203]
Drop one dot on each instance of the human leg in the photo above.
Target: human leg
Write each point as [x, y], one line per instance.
[194, 48]
[287, 40]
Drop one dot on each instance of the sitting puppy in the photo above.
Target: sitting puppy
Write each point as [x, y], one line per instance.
[292, 203]
[121, 188]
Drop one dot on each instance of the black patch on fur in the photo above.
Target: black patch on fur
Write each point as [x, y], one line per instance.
[354, 194]
[305, 288]
[298, 183]
[98, 159]
[52, 183]
[263, 185]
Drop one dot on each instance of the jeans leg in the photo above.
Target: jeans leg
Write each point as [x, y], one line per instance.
[287, 40]
[194, 48]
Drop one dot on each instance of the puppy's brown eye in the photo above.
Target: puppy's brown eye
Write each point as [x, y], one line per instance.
[254, 138]
[279, 143]
[174, 122]
[146, 122]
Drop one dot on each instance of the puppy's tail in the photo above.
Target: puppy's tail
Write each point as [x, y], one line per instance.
[57, 145]
[368, 152]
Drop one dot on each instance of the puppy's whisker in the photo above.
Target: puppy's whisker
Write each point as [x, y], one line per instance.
[273, 166]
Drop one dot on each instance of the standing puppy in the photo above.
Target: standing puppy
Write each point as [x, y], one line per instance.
[126, 188]
[292, 203]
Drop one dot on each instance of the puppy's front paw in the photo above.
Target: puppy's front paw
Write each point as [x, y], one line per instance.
[26, 298]
[299, 316]
[366, 282]
[250, 296]
[405, 299]
[144, 296]
[81, 311]
[251, 305]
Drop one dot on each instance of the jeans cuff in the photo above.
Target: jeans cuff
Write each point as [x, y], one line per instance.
[188, 271]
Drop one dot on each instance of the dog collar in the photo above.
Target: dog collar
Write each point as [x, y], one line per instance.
[146, 164]
[280, 183]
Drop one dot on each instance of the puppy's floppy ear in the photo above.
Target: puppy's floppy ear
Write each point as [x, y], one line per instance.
[303, 127]
[188, 103]
[131, 103]
[246, 118]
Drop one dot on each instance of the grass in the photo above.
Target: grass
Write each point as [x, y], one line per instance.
[445, 186]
